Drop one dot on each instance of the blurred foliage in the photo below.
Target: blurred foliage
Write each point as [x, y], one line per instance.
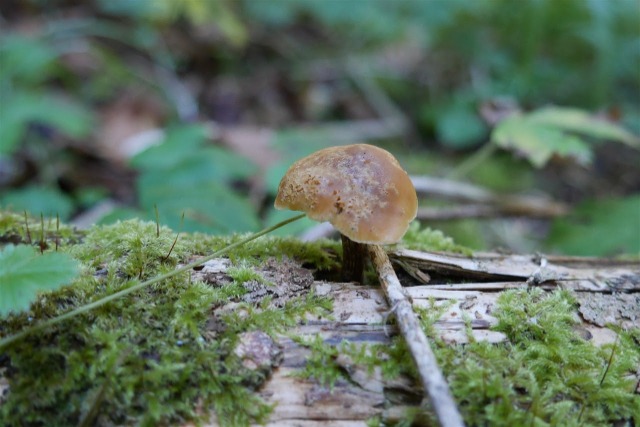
[65, 62]
[200, 180]
[48, 201]
[601, 228]
[24, 103]
[195, 11]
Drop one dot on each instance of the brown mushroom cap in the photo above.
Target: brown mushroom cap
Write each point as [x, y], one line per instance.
[361, 189]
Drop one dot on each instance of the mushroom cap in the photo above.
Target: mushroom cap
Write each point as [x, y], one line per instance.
[361, 189]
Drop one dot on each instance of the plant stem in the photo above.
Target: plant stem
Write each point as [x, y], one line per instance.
[472, 161]
[85, 308]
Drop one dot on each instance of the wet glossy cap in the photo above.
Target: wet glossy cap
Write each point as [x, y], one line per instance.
[361, 189]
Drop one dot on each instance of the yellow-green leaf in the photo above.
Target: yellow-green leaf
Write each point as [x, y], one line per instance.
[557, 131]
[583, 123]
[539, 142]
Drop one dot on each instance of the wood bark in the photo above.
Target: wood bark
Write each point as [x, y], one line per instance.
[360, 314]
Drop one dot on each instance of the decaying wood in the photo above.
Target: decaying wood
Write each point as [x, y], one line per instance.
[608, 291]
[433, 382]
[360, 315]
[577, 274]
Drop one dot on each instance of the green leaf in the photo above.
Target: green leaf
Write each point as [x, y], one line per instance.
[207, 206]
[24, 273]
[199, 175]
[599, 228]
[26, 108]
[38, 200]
[458, 126]
[185, 152]
[180, 143]
[32, 68]
[578, 121]
[538, 142]
[557, 131]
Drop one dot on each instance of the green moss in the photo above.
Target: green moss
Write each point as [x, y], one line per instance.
[271, 320]
[138, 248]
[545, 374]
[321, 255]
[243, 273]
[427, 239]
[147, 358]
[15, 228]
[320, 365]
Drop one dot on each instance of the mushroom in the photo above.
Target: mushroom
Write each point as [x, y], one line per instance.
[361, 189]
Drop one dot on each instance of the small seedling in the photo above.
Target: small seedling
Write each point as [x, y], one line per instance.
[176, 239]
[57, 231]
[613, 351]
[26, 225]
[42, 244]
[155, 207]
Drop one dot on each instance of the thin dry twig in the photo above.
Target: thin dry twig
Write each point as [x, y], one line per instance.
[479, 211]
[431, 377]
[495, 204]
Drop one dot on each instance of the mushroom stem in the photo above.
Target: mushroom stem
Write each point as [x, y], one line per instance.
[353, 256]
[432, 379]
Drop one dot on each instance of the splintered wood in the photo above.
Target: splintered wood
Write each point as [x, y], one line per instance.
[608, 291]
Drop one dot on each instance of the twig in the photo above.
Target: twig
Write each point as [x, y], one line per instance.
[486, 211]
[431, 377]
[450, 189]
[495, 204]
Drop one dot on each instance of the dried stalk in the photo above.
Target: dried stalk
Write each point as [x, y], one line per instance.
[432, 379]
